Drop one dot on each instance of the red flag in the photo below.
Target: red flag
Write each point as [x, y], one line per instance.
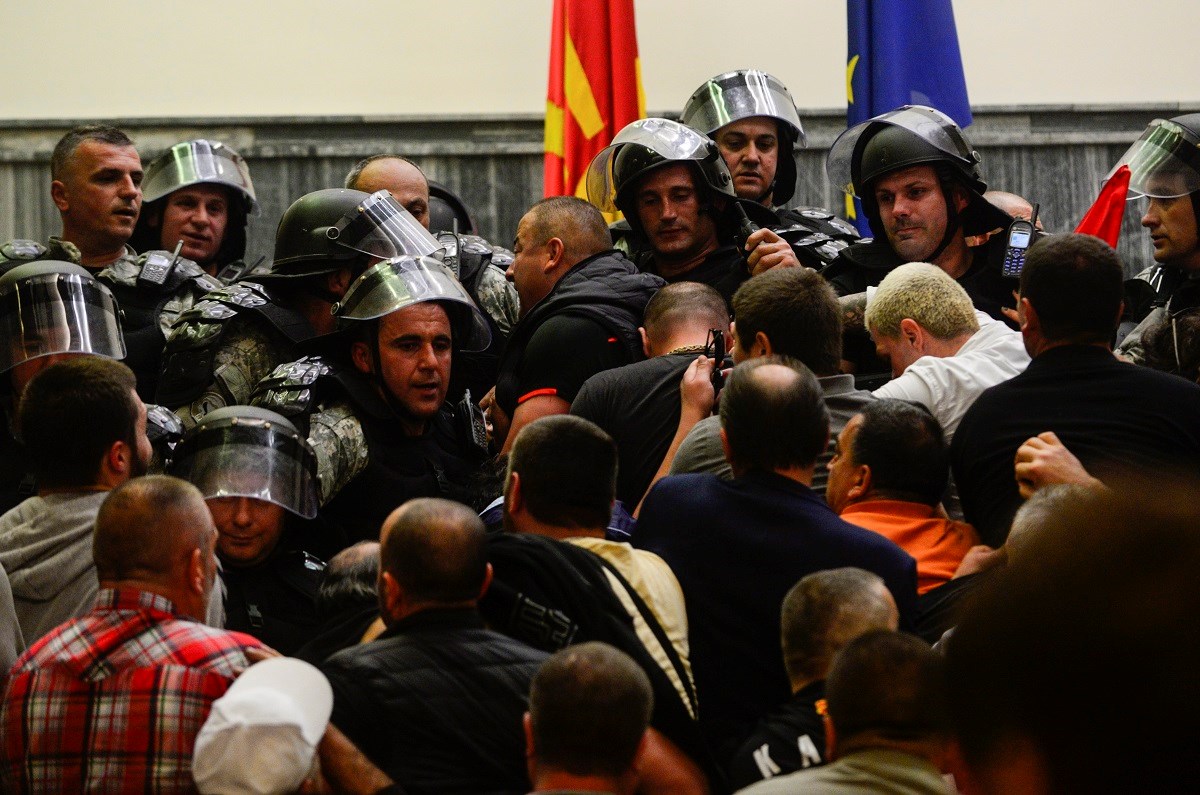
[595, 87]
[1103, 219]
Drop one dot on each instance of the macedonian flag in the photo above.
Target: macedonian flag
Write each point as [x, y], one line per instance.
[595, 87]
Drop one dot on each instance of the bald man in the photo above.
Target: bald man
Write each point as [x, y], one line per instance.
[581, 305]
[139, 659]
[437, 700]
[399, 176]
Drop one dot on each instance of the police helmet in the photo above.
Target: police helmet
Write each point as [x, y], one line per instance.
[909, 136]
[446, 207]
[49, 307]
[644, 146]
[743, 94]
[247, 451]
[1165, 161]
[336, 227]
[400, 282]
[199, 162]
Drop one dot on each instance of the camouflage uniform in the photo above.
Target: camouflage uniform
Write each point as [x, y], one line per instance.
[149, 308]
[222, 347]
[482, 269]
[345, 420]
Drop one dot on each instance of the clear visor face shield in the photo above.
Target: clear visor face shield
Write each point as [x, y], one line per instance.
[740, 95]
[400, 282]
[380, 227]
[197, 162]
[931, 126]
[58, 313]
[669, 139]
[255, 458]
[1163, 163]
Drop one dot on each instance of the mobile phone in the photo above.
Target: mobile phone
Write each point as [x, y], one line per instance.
[472, 427]
[1020, 235]
[714, 348]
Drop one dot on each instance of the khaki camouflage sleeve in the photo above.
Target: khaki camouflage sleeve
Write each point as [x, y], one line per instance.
[337, 438]
[246, 355]
[498, 297]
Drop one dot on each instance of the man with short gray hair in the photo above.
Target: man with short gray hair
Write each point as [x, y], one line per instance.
[821, 614]
[942, 350]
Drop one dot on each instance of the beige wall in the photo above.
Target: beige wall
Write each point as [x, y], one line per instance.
[76, 59]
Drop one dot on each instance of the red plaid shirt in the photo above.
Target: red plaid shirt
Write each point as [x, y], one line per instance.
[112, 701]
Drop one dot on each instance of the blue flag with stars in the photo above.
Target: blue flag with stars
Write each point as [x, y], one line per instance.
[902, 52]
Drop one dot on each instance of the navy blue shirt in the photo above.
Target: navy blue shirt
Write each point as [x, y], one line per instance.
[737, 547]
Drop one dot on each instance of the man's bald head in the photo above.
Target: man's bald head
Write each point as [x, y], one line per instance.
[773, 415]
[435, 551]
[578, 224]
[148, 528]
[1016, 206]
[399, 176]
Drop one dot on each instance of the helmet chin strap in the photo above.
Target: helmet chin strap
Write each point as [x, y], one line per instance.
[953, 222]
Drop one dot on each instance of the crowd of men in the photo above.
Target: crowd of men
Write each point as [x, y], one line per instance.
[720, 497]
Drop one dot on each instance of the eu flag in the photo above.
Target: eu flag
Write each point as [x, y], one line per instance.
[902, 52]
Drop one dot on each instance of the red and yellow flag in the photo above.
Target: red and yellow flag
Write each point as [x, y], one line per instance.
[595, 87]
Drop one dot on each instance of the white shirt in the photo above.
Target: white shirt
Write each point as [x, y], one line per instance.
[948, 385]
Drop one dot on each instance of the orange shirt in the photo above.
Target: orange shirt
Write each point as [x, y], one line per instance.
[938, 544]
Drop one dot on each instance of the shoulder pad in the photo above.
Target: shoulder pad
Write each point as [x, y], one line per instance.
[502, 257]
[290, 388]
[191, 271]
[204, 322]
[474, 244]
[123, 272]
[821, 220]
[23, 251]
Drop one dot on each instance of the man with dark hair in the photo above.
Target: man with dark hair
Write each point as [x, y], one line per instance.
[889, 475]
[436, 701]
[639, 404]
[589, 708]
[887, 725]
[378, 409]
[114, 699]
[821, 614]
[581, 305]
[1114, 416]
[786, 312]
[557, 502]
[97, 176]
[85, 429]
[1095, 606]
[738, 546]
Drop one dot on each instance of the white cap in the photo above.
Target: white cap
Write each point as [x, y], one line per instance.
[262, 735]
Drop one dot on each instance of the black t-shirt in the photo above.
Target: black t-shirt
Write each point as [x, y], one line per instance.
[790, 738]
[724, 270]
[564, 352]
[638, 406]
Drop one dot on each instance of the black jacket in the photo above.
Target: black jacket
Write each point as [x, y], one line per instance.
[437, 702]
[606, 288]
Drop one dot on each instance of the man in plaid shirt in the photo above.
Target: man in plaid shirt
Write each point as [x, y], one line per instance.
[112, 701]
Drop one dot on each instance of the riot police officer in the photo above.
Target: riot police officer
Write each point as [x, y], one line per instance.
[49, 311]
[96, 187]
[222, 347]
[1164, 166]
[674, 189]
[918, 179]
[198, 193]
[375, 409]
[259, 478]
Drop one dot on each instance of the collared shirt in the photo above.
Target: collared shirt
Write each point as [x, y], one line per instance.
[112, 701]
